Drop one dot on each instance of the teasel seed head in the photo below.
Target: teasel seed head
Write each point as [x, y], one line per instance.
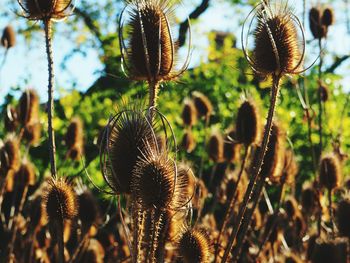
[194, 247]
[10, 155]
[37, 215]
[10, 119]
[291, 207]
[318, 29]
[203, 105]
[216, 147]
[189, 113]
[231, 151]
[324, 93]
[330, 251]
[277, 45]
[330, 172]
[32, 133]
[153, 181]
[309, 200]
[188, 142]
[46, 9]
[248, 128]
[25, 176]
[89, 211]
[75, 139]
[290, 167]
[185, 184]
[343, 215]
[151, 50]
[130, 135]
[59, 201]
[328, 16]
[28, 107]
[8, 38]
[274, 157]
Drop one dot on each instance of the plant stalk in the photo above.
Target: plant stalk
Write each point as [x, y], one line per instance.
[50, 104]
[257, 168]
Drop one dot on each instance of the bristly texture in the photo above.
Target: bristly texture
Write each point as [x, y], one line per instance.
[276, 48]
[189, 113]
[328, 16]
[32, 133]
[10, 155]
[188, 142]
[194, 247]
[216, 147]
[318, 30]
[46, 9]
[130, 135]
[309, 200]
[59, 201]
[151, 49]
[203, 104]
[343, 215]
[248, 128]
[89, 211]
[8, 38]
[330, 172]
[153, 181]
[28, 107]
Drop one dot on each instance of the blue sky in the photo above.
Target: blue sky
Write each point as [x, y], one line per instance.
[26, 63]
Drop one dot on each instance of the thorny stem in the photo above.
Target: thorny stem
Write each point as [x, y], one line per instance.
[248, 195]
[232, 200]
[50, 106]
[320, 97]
[153, 96]
[60, 241]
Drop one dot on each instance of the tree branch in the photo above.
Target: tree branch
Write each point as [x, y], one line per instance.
[194, 15]
[338, 61]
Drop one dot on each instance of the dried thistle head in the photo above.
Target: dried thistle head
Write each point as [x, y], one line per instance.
[10, 155]
[46, 9]
[309, 200]
[330, 172]
[216, 147]
[32, 133]
[89, 211]
[189, 113]
[151, 50]
[231, 151]
[194, 247]
[248, 128]
[318, 28]
[153, 181]
[188, 142]
[128, 136]
[277, 44]
[25, 176]
[328, 16]
[8, 38]
[75, 139]
[28, 107]
[342, 216]
[203, 105]
[290, 167]
[59, 201]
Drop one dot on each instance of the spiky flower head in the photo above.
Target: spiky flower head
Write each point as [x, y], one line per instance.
[188, 142]
[46, 9]
[28, 107]
[150, 53]
[189, 113]
[330, 172]
[328, 16]
[153, 181]
[203, 104]
[59, 201]
[216, 147]
[128, 136]
[8, 38]
[194, 247]
[277, 43]
[248, 128]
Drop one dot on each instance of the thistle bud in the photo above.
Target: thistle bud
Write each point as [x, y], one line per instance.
[8, 38]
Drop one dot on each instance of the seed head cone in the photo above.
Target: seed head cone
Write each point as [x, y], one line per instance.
[194, 247]
[8, 38]
[330, 172]
[248, 128]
